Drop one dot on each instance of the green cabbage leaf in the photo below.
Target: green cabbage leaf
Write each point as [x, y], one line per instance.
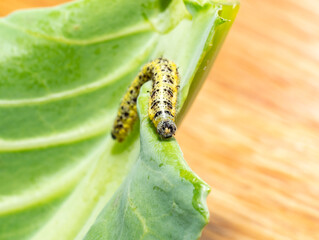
[63, 72]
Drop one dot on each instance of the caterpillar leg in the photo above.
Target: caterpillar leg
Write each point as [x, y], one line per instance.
[162, 104]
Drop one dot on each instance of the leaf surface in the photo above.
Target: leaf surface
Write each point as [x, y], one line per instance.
[63, 71]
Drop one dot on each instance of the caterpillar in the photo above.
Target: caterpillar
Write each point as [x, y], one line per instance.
[162, 103]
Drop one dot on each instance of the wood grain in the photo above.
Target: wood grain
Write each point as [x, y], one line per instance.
[253, 131]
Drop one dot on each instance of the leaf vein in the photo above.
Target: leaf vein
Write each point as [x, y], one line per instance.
[135, 29]
[109, 79]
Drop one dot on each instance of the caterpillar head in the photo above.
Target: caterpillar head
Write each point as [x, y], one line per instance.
[166, 128]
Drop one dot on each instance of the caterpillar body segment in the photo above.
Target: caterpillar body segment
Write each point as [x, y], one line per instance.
[162, 104]
[127, 113]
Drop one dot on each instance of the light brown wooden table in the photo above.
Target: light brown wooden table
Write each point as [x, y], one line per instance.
[253, 131]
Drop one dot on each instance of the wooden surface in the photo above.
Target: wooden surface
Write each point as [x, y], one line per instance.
[253, 132]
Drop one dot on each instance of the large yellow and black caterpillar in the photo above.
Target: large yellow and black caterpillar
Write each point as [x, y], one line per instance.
[162, 104]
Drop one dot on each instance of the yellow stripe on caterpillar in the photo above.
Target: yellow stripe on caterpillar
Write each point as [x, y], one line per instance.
[162, 104]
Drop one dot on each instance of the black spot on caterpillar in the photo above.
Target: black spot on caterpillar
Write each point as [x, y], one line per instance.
[162, 104]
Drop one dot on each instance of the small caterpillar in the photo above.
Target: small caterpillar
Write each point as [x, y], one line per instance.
[162, 104]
